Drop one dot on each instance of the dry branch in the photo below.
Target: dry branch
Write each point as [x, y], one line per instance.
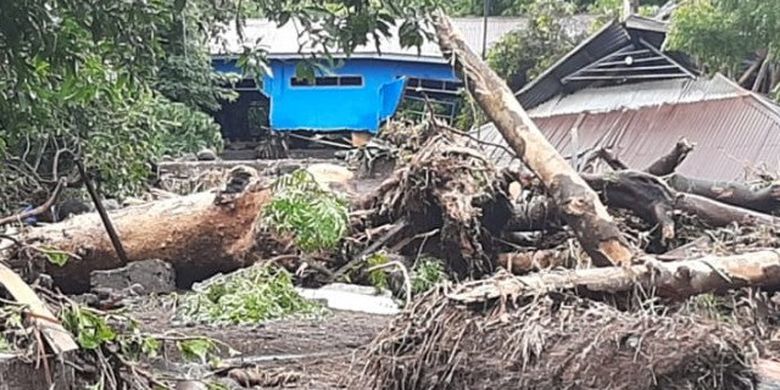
[578, 203]
[38, 210]
[677, 280]
[668, 163]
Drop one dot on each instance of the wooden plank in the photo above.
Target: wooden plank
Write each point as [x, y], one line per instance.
[58, 338]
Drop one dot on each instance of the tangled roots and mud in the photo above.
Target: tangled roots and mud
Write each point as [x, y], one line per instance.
[554, 342]
[456, 192]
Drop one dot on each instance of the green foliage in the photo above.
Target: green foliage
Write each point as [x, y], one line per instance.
[427, 273]
[316, 217]
[723, 33]
[91, 331]
[55, 257]
[608, 10]
[529, 51]
[378, 277]
[249, 296]
[4, 345]
[523, 54]
[88, 78]
[198, 349]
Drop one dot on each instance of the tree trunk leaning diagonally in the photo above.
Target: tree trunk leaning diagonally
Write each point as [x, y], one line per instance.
[578, 203]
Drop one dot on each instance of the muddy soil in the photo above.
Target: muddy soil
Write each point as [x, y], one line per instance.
[316, 353]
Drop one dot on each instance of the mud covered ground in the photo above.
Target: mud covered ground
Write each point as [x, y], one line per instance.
[314, 353]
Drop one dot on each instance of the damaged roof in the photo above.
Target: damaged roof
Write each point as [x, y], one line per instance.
[290, 40]
[733, 129]
[620, 52]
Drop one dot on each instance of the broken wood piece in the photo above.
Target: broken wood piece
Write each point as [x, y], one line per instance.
[765, 200]
[652, 200]
[677, 280]
[59, 339]
[668, 163]
[115, 241]
[520, 263]
[639, 192]
[578, 203]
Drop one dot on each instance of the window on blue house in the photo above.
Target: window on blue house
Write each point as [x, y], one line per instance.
[328, 81]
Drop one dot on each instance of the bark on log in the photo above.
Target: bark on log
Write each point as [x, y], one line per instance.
[643, 194]
[766, 200]
[200, 235]
[676, 280]
[578, 203]
[652, 200]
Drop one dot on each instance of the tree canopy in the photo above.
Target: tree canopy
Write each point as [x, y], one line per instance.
[724, 35]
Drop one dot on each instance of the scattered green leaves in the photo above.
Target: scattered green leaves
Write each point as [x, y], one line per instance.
[55, 257]
[427, 273]
[317, 218]
[198, 349]
[378, 277]
[248, 296]
[90, 329]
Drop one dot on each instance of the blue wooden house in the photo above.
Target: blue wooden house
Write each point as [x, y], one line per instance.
[358, 95]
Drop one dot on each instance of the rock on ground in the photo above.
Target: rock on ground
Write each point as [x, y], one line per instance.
[207, 155]
[155, 276]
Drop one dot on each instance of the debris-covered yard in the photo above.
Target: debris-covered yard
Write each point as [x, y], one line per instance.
[415, 262]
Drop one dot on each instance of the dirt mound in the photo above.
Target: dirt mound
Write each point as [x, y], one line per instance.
[555, 342]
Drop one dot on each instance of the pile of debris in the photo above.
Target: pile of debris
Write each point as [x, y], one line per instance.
[563, 278]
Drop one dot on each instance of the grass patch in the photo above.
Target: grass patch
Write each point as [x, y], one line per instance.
[249, 296]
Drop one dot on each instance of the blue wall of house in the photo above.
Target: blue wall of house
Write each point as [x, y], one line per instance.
[336, 108]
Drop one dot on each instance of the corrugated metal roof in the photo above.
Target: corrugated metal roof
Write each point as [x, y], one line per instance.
[633, 96]
[285, 41]
[611, 38]
[731, 135]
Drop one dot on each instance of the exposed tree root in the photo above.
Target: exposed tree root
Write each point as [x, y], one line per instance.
[554, 342]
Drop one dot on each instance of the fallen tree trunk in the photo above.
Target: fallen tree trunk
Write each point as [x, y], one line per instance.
[654, 201]
[579, 205]
[766, 200]
[676, 280]
[200, 235]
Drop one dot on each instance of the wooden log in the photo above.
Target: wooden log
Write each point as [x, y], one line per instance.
[578, 203]
[651, 199]
[668, 163]
[641, 193]
[765, 200]
[520, 263]
[676, 280]
[200, 235]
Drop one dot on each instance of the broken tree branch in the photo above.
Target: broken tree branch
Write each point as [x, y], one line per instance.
[667, 164]
[676, 280]
[577, 202]
[38, 210]
[766, 200]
